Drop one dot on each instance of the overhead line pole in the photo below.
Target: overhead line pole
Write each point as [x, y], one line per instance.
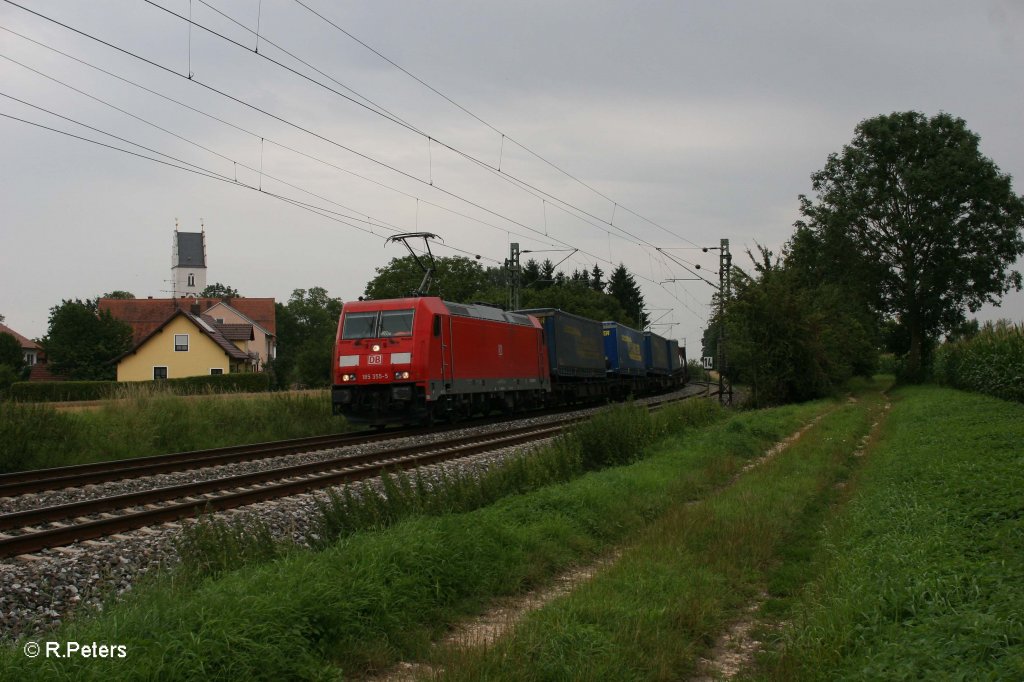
[724, 292]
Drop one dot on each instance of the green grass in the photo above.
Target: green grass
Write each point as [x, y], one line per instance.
[659, 608]
[376, 597]
[921, 574]
[616, 435]
[150, 423]
[904, 563]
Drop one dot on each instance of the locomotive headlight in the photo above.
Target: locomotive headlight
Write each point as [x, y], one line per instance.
[348, 377]
[376, 348]
[402, 375]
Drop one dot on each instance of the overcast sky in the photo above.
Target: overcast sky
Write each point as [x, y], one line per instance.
[688, 122]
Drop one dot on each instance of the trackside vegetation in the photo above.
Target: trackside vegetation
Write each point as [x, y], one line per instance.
[885, 542]
[153, 422]
[375, 597]
[653, 614]
[920, 575]
[616, 436]
[991, 361]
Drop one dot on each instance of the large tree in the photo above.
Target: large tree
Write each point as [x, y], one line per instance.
[119, 294]
[218, 290]
[455, 278]
[306, 328]
[578, 299]
[82, 341]
[791, 342]
[623, 288]
[925, 222]
[11, 353]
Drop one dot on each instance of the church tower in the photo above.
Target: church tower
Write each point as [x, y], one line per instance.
[188, 262]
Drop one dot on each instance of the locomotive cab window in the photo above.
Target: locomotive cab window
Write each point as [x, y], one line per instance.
[396, 323]
[359, 326]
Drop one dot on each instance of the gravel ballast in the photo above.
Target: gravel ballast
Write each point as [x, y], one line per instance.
[43, 589]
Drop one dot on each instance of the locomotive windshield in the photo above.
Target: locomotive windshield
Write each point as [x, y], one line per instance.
[359, 326]
[396, 323]
[377, 324]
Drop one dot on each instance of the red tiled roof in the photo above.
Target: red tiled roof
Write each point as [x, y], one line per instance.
[205, 328]
[232, 332]
[25, 343]
[146, 314]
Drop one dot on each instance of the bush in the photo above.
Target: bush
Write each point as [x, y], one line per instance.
[8, 375]
[890, 363]
[56, 391]
[59, 391]
[695, 371]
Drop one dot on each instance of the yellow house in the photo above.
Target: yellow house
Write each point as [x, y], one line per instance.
[184, 345]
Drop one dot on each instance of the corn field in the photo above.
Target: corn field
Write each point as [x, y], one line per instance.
[991, 362]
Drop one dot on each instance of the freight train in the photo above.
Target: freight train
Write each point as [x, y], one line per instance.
[414, 360]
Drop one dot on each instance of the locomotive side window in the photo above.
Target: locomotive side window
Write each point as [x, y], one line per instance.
[437, 325]
[396, 323]
[359, 326]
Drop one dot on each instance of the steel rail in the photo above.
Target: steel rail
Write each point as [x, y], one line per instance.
[39, 480]
[293, 480]
[309, 479]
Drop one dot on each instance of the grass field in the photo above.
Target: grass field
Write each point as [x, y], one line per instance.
[881, 544]
[36, 435]
[921, 575]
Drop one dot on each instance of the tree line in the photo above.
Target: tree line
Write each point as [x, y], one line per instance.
[909, 227]
[83, 341]
[457, 278]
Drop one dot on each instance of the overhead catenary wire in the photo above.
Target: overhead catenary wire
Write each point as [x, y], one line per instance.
[198, 170]
[361, 155]
[258, 136]
[234, 162]
[377, 109]
[503, 134]
[289, 123]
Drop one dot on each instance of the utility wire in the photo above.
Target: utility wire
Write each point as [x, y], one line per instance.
[271, 141]
[180, 137]
[503, 134]
[377, 110]
[328, 140]
[295, 125]
[373, 106]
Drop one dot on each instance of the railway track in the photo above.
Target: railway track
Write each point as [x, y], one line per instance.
[31, 530]
[25, 482]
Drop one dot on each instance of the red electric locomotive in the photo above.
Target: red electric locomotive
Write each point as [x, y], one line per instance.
[410, 360]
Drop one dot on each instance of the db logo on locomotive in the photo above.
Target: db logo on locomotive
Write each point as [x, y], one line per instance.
[375, 360]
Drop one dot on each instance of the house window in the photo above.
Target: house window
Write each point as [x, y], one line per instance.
[181, 342]
[159, 373]
[191, 279]
[220, 320]
[216, 370]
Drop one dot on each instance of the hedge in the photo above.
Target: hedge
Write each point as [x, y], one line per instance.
[60, 391]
